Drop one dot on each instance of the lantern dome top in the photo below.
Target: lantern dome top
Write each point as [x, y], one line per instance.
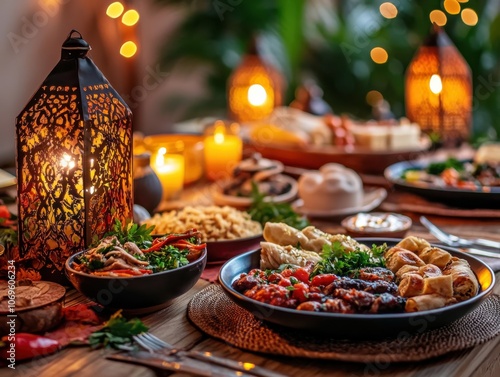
[74, 46]
[437, 38]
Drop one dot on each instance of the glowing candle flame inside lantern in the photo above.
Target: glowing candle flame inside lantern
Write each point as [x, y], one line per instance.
[435, 84]
[67, 162]
[257, 95]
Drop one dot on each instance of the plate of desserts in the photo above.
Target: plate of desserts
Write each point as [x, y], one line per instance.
[303, 140]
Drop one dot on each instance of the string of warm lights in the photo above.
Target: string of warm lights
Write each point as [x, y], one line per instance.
[128, 18]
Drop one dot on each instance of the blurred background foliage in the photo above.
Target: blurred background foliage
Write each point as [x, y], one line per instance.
[330, 42]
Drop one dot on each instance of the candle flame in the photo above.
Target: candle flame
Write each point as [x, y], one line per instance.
[435, 84]
[219, 137]
[257, 95]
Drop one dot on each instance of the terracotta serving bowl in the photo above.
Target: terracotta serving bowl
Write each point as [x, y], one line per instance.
[139, 294]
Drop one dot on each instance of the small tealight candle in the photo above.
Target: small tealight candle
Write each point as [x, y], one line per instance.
[168, 163]
[223, 148]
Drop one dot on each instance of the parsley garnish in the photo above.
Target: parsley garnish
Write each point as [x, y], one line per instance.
[262, 211]
[131, 232]
[335, 260]
[116, 332]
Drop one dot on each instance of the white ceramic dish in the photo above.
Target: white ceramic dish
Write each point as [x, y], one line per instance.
[242, 202]
[6, 179]
[371, 199]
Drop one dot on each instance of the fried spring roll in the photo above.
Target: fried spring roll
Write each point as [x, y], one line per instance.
[414, 244]
[411, 285]
[435, 256]
[465, 284]
[440, 285]
[401, 257]
[427, 302]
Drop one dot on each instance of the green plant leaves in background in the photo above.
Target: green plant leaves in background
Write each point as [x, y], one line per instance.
[331, 42]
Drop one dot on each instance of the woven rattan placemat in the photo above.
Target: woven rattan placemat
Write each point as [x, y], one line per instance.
[216, 315]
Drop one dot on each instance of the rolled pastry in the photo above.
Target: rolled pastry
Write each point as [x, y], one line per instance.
[414, 244]
[465, 284]
[401, 257]
[411, 284]
[440, 285]
[427, 302]
[272, 256]
[435, 255]
[429, 270]
[283, 234]
[407, 269]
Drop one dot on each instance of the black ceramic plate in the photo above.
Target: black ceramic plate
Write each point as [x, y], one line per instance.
[355, 325]
[488, 196]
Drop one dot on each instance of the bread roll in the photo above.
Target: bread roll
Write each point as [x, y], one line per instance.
[435, 256]
[427, 302]
[465, 284]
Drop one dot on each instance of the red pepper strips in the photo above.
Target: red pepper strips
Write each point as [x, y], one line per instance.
[161, 242]
[24, 346]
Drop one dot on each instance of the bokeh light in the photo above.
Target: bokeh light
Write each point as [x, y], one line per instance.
[452, 6]
[130, 17]
[373, 97]
[438, 17]
[128, 49]
[379, 55]
[388, 10]
[469, 17]
[115, 9]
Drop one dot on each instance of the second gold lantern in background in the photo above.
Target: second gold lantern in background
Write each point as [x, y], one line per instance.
[254, 88]
[438, 90]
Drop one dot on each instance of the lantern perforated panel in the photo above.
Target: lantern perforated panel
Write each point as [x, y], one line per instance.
[74, 163]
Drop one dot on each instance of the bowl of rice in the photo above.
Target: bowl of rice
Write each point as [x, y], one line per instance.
[226, 230]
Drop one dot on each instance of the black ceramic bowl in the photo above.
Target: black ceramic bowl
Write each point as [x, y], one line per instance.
[357, 326]
[138, 294]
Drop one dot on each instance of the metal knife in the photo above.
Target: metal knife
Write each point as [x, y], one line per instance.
[177, 364]
[483, 253]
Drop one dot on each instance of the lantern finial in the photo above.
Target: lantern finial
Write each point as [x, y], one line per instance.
[74, 47]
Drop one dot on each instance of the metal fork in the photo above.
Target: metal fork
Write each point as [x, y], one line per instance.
[154, 344]
[454, 241]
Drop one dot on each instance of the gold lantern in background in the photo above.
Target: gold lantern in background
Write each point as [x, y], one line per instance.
[254, 88]
[74, 162]
[438, 90]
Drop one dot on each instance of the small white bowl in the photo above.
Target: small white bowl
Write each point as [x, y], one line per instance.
[377, 224]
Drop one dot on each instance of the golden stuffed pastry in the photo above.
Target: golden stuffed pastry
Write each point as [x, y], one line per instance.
[272, 256]
[465, 284]
[429, 270]
[435, 256]
[401, 257]
[406, 269]
[440, 285]
[427, 302]
[411, 284]
[283, 234]
[413, 243]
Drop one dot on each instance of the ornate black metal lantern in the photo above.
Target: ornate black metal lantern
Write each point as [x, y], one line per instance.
[74, 161]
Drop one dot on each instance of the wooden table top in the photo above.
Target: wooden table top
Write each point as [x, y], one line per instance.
[172, 325]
